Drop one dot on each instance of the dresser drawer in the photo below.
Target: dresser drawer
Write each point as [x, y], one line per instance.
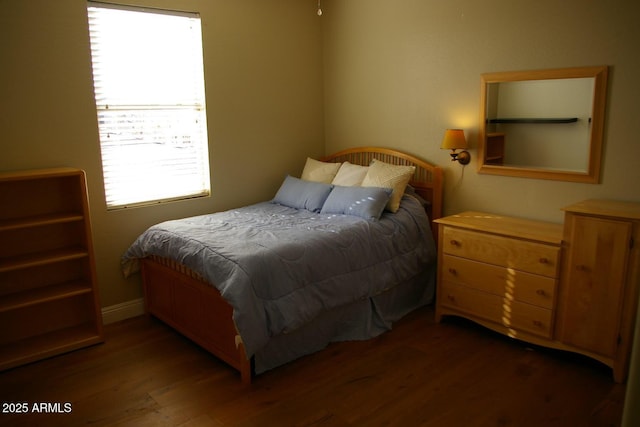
[514, 315]
[518, 254]
[504, 282]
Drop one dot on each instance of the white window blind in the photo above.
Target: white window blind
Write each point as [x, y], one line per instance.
[149, 89]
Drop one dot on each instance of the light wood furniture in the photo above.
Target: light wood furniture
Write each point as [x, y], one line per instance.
[571, 287]
[499, 271]
[182, 299]
[600, 281]
[48, 294]
[185, 301]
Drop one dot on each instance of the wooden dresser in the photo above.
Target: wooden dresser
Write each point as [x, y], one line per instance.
[542, 282]
[500, 271]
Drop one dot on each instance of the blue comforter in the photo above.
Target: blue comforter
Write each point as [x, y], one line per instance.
[280, 267]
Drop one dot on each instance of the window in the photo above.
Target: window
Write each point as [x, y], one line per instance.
[149, 87]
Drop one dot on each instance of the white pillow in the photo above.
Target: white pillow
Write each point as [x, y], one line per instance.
[315, 170]
[350, 175]
[386, 175]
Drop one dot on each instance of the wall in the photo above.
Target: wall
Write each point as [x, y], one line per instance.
[399, 73]
[263, 79]
[393, 73]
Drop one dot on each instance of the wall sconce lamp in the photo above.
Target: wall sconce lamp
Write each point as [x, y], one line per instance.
[454, 140]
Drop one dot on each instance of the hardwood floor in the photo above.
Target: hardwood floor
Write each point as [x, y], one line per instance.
[418, 374]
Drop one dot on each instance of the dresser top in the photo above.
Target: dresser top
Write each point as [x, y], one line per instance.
[547, 232]
[609, 208]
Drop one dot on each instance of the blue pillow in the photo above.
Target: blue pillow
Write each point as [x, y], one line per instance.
[365, 202]
[301, 194]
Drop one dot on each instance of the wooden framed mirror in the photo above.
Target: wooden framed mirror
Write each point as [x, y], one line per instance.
[545, 124]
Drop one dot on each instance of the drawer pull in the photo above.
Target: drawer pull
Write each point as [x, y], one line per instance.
[541, 292]
[454, 243]
[544, 260]
[451, 298]
[537, 323]
[453, 271]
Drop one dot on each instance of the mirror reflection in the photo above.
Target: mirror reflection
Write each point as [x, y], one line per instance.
[543, 124]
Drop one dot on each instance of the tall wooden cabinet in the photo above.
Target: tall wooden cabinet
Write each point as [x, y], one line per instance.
[48, 294]
[571, 286]
[600, 280]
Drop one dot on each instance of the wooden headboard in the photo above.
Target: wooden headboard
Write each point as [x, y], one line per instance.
[427, 179]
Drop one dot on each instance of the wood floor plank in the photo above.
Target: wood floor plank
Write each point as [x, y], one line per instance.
[419, 374]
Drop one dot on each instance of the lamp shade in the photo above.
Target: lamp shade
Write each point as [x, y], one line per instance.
[454, 139]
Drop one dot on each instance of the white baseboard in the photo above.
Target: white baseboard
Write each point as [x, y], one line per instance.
[122, 311]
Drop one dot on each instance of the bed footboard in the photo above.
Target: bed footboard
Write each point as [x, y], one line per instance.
[180, 298]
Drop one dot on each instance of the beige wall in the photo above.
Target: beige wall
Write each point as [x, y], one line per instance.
[393, 73]
[263, 79]
[398, 73]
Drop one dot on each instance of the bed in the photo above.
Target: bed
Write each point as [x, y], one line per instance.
[265, 284]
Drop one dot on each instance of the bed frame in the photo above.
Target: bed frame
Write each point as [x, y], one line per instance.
[185, 301]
